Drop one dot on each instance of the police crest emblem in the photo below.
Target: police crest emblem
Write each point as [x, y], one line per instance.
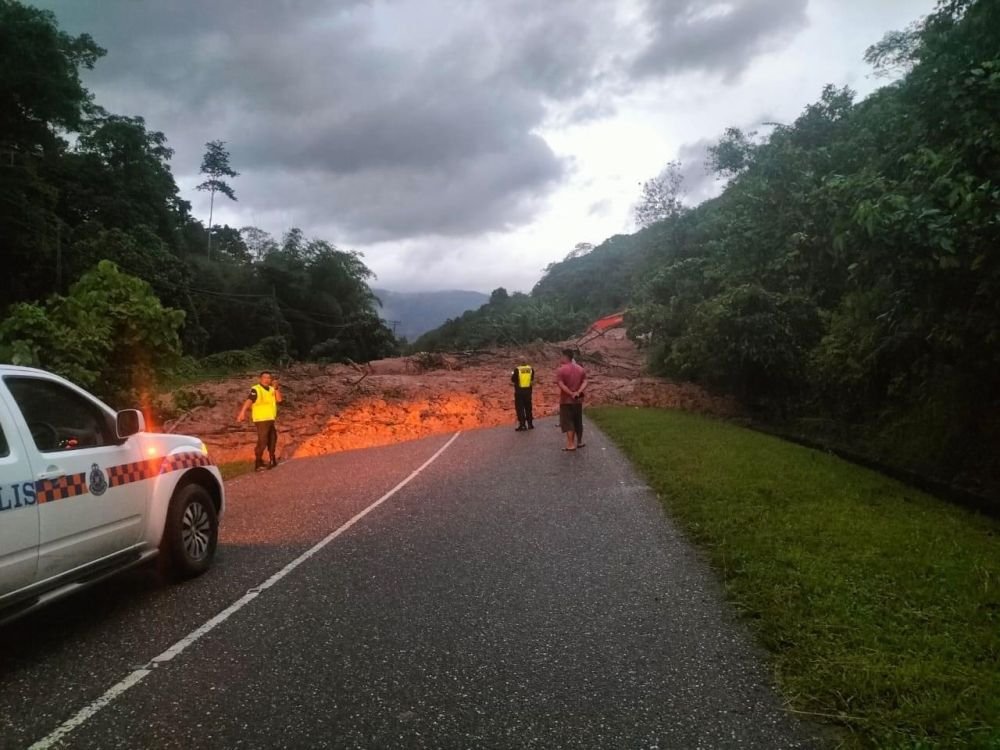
[98, 484]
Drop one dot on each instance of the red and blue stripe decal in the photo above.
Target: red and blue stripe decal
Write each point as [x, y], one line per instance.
[71, 485]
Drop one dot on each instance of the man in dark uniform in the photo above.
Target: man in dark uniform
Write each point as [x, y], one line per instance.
[523, 378]
[263, 401]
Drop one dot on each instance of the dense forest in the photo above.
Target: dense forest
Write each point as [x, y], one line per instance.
[848, 278]
[108, 271]
[507, 319]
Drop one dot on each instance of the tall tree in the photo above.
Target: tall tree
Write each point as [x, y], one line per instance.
[40, 89]
[119, 177]
[41, 98]
[258, 242]
[215, 164]
[661, 196]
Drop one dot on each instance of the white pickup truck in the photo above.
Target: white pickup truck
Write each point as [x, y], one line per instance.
[86, 492]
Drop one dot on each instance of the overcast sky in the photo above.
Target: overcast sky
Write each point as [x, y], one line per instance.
[464, 143]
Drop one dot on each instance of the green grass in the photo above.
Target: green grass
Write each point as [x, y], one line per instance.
[880, 605]
[233, 469]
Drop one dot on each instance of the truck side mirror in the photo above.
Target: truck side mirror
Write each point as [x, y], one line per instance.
[129, 422]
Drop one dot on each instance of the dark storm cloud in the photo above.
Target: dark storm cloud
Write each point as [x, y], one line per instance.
[559, 47]
[393, 119]
[721, 37]
[431, 118]
[391, 140]
[386, 203]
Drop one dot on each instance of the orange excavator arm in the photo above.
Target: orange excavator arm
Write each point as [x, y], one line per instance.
[616, 320]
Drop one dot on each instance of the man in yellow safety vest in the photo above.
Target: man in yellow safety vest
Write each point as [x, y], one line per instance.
[523, 378]
[263, 403]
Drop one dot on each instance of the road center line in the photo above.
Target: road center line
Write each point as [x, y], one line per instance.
[136, 676]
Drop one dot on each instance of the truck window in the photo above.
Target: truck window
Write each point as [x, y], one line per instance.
[4, 448]
[58, 418]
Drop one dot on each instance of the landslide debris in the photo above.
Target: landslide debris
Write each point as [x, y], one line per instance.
[331, 408]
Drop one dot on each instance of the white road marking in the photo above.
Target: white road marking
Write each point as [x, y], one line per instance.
[135, 677]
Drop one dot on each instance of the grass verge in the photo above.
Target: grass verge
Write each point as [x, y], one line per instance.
[880, 605]
[233, 469]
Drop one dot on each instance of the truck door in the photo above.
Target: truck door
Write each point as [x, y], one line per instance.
[72, 444]
[18, 510]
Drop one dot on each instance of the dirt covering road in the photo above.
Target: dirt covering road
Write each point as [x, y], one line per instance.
[332, 408]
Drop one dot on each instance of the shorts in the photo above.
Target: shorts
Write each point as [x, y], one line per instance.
[571, 417]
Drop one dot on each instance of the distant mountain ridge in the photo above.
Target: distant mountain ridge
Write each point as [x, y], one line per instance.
[419, 312]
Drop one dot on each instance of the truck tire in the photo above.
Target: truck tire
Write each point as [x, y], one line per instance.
[191, 533]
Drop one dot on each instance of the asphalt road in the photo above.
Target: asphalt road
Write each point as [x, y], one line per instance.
[510, 595]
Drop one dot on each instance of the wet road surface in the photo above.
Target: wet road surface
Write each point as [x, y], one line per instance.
[509, 595]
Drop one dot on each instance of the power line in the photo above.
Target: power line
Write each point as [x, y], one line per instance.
[228, 294]
[309, 315]
[237, 297]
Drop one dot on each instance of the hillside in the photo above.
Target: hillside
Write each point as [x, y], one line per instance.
[506, 320]
[846, 282]
[412, 314]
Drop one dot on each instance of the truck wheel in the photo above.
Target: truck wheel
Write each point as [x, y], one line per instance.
[191, 532]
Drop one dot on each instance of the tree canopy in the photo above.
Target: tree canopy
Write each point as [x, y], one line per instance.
[80, 185]
[848, 275]
[215, 166]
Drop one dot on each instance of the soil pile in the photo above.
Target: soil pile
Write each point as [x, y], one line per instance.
[330, 408]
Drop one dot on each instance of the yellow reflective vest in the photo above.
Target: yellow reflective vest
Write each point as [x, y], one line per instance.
[524, 376]
[265, 407]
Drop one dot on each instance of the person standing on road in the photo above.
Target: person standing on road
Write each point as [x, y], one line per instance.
[572, 380]
[523, 378]
[263, 401]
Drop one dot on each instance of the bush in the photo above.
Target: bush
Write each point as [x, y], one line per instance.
[110, 334]
[749, 341]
